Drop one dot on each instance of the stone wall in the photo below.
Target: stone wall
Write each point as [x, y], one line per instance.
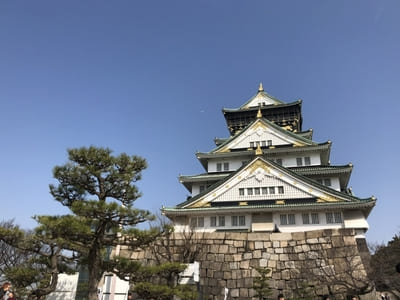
[302, 264]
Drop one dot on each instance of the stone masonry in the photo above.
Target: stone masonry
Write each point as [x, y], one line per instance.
[312, 263]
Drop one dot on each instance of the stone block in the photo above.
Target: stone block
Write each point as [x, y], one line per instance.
[248, 255]
[313, 234]
[278, 250]
[282, 236]
[257, 254]
[233, 265]
[276, 244]
[298, 236]
[258, 245]
[223, 249]
[305, 248]
[272, 264]
[337, 241]
[238, 244]
[257, 236]
[349, 241]
[244, 264]
[243, 292]
[312, 241]
[237, 257]
[234, 293]
[283, 257]
[220, 257]
[263, 263]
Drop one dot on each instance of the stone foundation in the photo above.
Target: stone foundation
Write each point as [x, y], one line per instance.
[303, 264]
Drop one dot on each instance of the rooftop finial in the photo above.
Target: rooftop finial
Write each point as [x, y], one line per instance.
[259, 114]
[260, 88]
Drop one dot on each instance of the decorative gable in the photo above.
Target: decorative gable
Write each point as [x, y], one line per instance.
[263, 180]
[264, 133]
[261, 99]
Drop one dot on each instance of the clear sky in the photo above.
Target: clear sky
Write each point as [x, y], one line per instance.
[151, 77]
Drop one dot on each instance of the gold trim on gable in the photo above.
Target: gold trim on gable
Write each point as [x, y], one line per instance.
[243, 203]
[259, 164]
[280, 202]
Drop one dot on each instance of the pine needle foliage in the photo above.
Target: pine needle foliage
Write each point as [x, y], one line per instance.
[99, 190]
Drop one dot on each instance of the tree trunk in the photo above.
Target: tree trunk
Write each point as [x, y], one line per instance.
[94, 269]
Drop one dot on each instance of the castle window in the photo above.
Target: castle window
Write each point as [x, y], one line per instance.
[213, 221]
[249, 192]
[314, 218]
[238, 221]
[279, 161]
[221, 221]
[256, 191]
[197, 222]
[219, 167]
[299, 161]
[288, 219]
[291, 219]
[335, 217]
[269, 142]
[241, 192]
[280, 190]
[200, 222]
[306, 218]
[272, 190]
[327, 181]
[226, 166]
[264, 190]
[234, 221]
[283, 219]
[263, 143]
[202, 188]
[251, 144]
[307, 161]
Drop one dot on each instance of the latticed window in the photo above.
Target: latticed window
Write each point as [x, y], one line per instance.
[335, 217]
[307, 161]
[221, 221]
[213, 221]
[291, 219]
[234, 221]
[306, 218]
[280, 190]
[283, 219]
[338, 217]
[315, 218]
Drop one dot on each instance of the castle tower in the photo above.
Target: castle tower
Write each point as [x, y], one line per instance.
[269, 175]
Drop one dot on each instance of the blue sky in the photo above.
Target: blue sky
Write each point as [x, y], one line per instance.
[151, 77]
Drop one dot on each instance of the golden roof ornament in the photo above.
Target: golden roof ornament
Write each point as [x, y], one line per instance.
[259, 114]
[258, 150]
[260, 87]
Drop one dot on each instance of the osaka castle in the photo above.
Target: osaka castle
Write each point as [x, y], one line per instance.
[269, 176]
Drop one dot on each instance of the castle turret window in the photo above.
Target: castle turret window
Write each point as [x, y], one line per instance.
[238, 221]
[334, 217]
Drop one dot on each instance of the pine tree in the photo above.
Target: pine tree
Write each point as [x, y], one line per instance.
[99, 190]
[261, 284]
